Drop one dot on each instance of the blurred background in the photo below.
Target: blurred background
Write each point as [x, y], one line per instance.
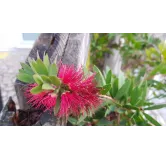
[14, 48]
[132, 54]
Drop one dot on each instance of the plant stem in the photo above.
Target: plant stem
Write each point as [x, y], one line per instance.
[110, 98]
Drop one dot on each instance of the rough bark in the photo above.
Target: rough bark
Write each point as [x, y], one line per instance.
[1, 104]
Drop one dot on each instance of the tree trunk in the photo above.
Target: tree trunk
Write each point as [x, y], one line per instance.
[113, 60]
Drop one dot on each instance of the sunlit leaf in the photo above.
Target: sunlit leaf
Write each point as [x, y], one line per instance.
[151, 119]
[55, 80]
[123, 90]
[135, 96]
[27, 69]
[99, 76]
[121, 80]
[46, 79]
[40, 67]
[36, 90]
[46, 60]
[38, 79]
[108, 77]
[25, 78]
[53, 70]
[105, 89]
[114, 89]
[159, 106]
[47, 86]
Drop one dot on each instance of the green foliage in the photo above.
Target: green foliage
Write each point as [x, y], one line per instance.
[52, 70]
[36, 89]
[123, 91]
[99, 46]
[99, 77]
[27, 69]
[46, 61]
[38, 79]
[47, 86]
[155, 107]
[132, 46]
[108, 77]
[46, 79]
[125, 99]
[39, 67]
[125, 105]
[55, 80]
[22, 76]
[41, 72]
[152, 120]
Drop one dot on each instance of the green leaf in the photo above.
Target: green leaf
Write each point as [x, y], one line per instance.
[106, 88]
[57, 106]
[162, 48]
[111, 35]
[21, 71]
[32, 63]
[140, 74]
[47, 86]
[25, 78]
[46, 61]
[98, 114]
[131, 87]
[104, 122]
[81, 118]
[36, 90]
[46, 79]
[161, 68]
[40, 67]
[156, 107]
[53, 70]
[107, 69]
[38, 79]
[144, 93]
[152, 120]
[120, 111]
[99, 77]
[85, 69]
[114, 87]
[156, 84]
[123, 90]
[135, 96]
[130, 107]
[55, 80]
[138, 120]
[27, 69]
[72, 120]
[121, 80]
[108, 77]
[96, 36]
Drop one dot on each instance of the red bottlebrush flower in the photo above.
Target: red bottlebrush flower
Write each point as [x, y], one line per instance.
[82, 95]
[45, 100]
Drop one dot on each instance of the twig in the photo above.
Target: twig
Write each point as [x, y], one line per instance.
[110, 98]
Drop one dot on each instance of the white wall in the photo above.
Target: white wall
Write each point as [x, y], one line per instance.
[9, 40]
[13, 40]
